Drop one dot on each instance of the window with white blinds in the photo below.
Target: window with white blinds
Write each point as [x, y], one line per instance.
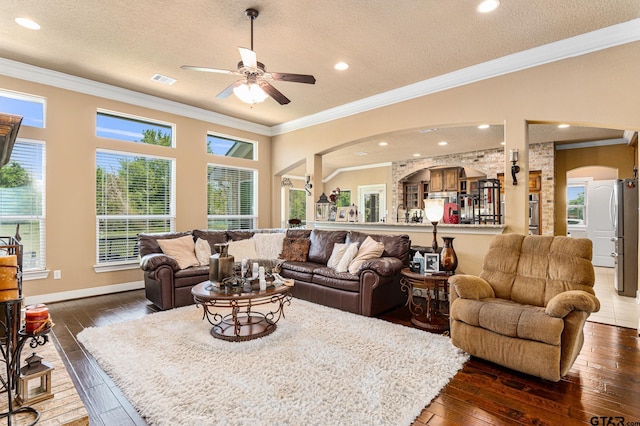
[134, 194]
[22, 201]
[231, 198]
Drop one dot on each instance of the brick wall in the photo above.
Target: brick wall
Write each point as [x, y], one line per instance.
[489, 162]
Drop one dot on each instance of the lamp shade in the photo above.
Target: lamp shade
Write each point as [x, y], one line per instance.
[250, 93]
[434, 209]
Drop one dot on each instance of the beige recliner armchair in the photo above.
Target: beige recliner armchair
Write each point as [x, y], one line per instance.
[527, 309]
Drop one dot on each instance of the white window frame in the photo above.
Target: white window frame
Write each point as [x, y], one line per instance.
[133, 264]
[40, 272]
[233, 138]
[575, 183]
[126, 116]
[379, 189]
[254, 216]
[27, 98]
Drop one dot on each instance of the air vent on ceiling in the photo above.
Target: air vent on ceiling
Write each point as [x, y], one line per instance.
[163, 79]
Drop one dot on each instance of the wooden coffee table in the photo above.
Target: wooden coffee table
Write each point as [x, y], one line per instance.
[243, 322]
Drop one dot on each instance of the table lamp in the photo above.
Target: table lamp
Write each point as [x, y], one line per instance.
[434, 211]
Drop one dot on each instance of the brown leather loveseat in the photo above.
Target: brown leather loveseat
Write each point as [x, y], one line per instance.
[373, 288]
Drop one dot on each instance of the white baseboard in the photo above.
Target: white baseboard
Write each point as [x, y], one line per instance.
[85, 292]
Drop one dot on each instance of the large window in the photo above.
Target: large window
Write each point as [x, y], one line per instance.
[22, 201]
[576, 205]
[30, 107]
[227, 147]
[133, 129]
[298, 204]
[134, 194]
[231, 198]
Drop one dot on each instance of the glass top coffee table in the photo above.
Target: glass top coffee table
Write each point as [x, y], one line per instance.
[243, 322]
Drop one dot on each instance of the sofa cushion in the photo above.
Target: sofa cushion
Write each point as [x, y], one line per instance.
[213, 237]
[349, 254]
[181, 249]
[322, 244]
[509, 319]
[338, 251]
[305, 267]
[328, 277]
[239, 235]
[203, 251]
[298, 233]
[295, 249]
[243, 249]
[148, 243]
[394, 245]
[269, 246]
[369, 249]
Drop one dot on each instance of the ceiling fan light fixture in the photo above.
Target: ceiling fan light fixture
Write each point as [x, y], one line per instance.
[250, 93]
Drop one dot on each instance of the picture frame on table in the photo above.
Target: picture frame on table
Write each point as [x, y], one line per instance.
[343, 214]
[431, 263]
[352, 214]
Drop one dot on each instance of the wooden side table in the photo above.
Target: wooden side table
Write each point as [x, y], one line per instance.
[428, 315]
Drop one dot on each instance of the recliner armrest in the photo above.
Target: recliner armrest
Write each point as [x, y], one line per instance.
[470, 287]
[564, 303]
[383, 266]
[151, 262]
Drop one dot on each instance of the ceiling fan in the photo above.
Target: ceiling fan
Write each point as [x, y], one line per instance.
[254, 86]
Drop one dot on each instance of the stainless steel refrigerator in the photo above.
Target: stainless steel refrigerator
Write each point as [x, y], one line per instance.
[624, 215]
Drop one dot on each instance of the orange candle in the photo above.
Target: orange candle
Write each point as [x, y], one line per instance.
[36, 318]
[8, 277]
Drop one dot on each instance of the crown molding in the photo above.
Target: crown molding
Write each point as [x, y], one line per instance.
[579, 45]
[48, 77]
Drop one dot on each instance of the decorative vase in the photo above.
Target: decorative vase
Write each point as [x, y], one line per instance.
[220, 264]
[448, 258]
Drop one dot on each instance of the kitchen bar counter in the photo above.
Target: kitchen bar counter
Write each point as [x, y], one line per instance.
[443, 229]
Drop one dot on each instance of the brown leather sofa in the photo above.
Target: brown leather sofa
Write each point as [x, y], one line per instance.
[374, 288]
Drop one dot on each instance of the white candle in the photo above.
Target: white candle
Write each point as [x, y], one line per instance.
[261, 273]
[255, 269]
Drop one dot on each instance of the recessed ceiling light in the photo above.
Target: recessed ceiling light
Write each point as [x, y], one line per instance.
[27, 23]
[488, 6]
[563, 126]
[360, 153]
[443, 143]
[416, 155]
[428, 130]
[502, 143]
[383, 144]
[341, 66]
[483, 126]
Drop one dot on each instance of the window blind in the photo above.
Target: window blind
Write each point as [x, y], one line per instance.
[22, 201]
[134, 194]
[231, 198]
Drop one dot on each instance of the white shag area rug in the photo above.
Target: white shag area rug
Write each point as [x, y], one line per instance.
[321, 366]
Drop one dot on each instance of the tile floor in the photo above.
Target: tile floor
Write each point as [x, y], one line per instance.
[614, 310]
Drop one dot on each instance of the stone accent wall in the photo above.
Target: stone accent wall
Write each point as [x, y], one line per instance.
[489, 162]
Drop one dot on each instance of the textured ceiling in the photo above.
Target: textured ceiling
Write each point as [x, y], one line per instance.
[388, 44]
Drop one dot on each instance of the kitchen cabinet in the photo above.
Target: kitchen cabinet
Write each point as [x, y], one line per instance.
[412, 195]
[444, 180]
[436, 183]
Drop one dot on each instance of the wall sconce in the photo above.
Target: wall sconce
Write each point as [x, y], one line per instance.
[308, 185]
[434, 211]
[514, 156]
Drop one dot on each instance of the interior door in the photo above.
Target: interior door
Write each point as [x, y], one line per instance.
[600, 229]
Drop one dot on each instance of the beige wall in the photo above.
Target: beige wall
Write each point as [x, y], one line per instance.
[599, 89]
[71, 144]
[620, 157]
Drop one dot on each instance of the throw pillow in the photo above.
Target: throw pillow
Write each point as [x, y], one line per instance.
[243, 249]
[370, 249]
[181, 249]
[269, 246]
[349, 254]
[336, 254]
[203, 251]
[295, 249]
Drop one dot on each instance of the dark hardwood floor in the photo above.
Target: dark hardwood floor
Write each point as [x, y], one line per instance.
[603, 387]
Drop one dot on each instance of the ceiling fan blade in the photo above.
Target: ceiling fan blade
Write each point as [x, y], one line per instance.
[273, 92]
[248, 57]
[229, 90]
[294, 78]
[206, 69]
